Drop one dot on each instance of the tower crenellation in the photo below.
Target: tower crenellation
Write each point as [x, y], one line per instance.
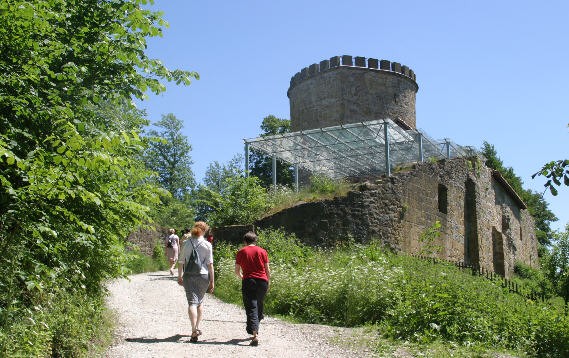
[347, 60]
[348, 89]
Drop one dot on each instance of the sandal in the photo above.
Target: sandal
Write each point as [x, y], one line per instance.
[254, 342]
[194, 337]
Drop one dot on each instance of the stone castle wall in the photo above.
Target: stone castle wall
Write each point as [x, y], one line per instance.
[344, 90]
[480, 223]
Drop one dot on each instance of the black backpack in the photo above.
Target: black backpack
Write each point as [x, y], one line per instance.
[170, 241]
[193, 263]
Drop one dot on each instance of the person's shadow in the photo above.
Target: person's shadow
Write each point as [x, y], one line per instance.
[231, 342]
[174, 338]
[177, 337]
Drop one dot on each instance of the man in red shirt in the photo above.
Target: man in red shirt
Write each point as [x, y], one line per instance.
[252, 267]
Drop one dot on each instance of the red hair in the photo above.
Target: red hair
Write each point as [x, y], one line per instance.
[199, 228]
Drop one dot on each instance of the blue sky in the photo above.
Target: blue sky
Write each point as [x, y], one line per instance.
[494, 71]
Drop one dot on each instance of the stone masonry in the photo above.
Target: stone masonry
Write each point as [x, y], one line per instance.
[481, 224]
[344, 90]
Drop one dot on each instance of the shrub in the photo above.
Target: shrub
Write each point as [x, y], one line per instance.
[138, 262]
[68, 326]
[533, 280]
[551, 335]
[283, 247]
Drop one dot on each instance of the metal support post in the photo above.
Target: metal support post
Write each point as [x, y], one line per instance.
[387, 159]
[421, 154]
[246, 159]
[274, 173]
[296, 179]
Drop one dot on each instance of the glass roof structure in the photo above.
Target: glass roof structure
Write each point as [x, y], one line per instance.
[355, 150]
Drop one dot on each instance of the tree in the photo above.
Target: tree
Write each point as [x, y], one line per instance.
[537, 206]
[558, 265]
[71, 186]
[242, 201]
[227, 197]
[215, 183]
[216, 173]
[168, 154]
[554, 171]
[172, 213]
[261, 165]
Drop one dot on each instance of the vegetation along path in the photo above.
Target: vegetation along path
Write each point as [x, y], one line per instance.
[152, 319]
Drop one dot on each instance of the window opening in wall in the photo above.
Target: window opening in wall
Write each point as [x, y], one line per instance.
[471, 255]
[443, 203]
[498, 252]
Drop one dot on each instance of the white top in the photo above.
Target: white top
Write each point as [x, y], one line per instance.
[175, 240]
[204, 250]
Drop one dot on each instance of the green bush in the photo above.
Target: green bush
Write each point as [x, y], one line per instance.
[551, 335]
[138, 262]
[70, 325]
[533, 280]
[283, 247]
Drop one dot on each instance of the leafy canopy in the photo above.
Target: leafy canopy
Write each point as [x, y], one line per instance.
[537, 206]
[71, 186]
[558, 264]
[555, 171]
[168, 154]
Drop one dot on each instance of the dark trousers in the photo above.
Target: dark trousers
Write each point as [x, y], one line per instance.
[253, 291]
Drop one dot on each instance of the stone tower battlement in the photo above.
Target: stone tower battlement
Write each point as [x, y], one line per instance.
[346, 89]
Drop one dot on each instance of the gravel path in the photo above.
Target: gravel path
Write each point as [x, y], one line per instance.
[152, 319]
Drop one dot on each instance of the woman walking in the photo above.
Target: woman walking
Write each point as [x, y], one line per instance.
[252, 267]
[195, 273]
[172, 244]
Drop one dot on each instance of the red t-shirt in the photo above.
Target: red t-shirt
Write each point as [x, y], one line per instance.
[252, 260]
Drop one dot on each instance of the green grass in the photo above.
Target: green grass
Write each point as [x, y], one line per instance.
[423, 305]
[320, 188]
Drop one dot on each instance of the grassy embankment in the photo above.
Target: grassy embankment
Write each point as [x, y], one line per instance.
[67, 324]
[434, 309]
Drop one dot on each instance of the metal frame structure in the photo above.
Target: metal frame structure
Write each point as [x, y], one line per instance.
[353, 150]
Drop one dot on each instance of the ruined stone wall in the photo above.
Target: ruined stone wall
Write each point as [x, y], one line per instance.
[147, 239]
[370, 212]
[481, 224]
[435, 192]
[343, 90]
[512, 230]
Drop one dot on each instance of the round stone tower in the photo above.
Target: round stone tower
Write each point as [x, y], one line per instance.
[345, 90]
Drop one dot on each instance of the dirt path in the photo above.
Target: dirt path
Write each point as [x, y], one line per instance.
[152, 322]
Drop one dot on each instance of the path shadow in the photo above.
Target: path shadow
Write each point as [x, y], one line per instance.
[174, 338]
[164, 278]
